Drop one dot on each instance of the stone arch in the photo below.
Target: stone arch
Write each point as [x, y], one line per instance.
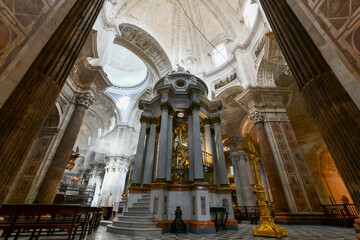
[146, 48]
[326, 177]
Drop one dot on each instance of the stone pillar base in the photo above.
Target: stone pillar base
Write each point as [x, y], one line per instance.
[298, 218]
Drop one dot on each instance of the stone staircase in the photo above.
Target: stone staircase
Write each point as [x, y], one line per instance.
[136, 221]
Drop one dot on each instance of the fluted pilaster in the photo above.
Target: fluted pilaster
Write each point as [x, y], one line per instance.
[271, 169]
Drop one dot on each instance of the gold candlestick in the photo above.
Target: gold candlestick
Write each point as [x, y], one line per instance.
[267, 226]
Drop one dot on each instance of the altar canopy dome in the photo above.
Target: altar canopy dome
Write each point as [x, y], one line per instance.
[124, 68]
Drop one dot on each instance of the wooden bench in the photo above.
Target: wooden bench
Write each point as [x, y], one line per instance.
[37, 217]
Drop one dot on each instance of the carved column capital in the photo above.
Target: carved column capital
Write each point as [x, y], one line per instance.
[166, 105]
[257, 116]
[215, 120]
[85, 99]
[206, 121]
[195, 106]
[145, 119]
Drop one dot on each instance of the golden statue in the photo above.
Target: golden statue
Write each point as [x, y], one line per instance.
[74, 155]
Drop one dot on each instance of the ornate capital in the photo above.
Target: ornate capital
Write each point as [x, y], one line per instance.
[195, 106]
[166, 105]
[145, 119]
[188, 112]
[257, 116]
[206, 121]
[215, 120]
[85, 99]
[171, 112]
[154, 121]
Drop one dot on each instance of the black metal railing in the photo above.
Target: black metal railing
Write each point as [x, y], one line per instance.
[340, 214]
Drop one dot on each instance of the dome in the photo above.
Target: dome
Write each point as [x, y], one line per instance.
[124, 68]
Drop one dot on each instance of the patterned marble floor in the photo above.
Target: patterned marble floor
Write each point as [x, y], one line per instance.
[244, 232]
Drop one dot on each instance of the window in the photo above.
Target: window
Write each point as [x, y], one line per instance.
[250, 13]
[231, 170]
[112, 123]
[99, 132]
[89, 141]
[220, 55]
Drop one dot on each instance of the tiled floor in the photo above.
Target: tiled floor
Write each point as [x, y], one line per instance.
[244, 232]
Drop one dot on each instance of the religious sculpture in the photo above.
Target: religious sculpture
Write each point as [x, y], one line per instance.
[74, 155]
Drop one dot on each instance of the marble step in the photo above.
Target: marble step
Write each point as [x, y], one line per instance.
[137, 213]
[141, 232]
[130, 224]
[138, 219]
[142, 204]
[138, 209]
[145, 195]
[143, 200]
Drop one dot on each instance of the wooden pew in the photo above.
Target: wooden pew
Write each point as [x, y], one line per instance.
[38, 217]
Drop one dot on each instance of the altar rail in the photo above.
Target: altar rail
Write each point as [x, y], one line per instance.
[340, 214]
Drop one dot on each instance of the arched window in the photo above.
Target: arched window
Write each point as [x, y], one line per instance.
[99, 132]
[112, 123]
[250, 13]
[220, 55]
[89, 141]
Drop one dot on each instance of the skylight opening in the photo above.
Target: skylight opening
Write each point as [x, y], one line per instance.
[250, 13]
[220, 55]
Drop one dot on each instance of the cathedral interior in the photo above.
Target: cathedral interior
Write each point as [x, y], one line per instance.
[179, 111]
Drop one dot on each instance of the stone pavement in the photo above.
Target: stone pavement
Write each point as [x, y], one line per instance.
[306, 232]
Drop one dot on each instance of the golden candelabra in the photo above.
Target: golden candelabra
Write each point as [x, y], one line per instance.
[267, 226]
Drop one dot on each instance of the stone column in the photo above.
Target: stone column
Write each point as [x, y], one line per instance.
[215, 173]
[244, 190]
[105, 188]
[272, 172]
[163, 143]
[138, 163]
[25, 111]
[333, 110]
[221, 164]
[97, 180]
[169, 146]
[62, 155]
[190, 145]
[150, 154]
[198, 161]
[208, 142]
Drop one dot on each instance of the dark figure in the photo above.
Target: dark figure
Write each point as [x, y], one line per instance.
[178, 225]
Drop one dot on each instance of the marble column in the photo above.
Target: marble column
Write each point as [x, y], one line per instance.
[150, 154]
[272, 172]
[169, 146]
[221, 164]
[198, 161]
[190, 145]
[25, 111]
[334, 112]
[105, 188]
[215, 171]
[62, 155]
[244, 190]
[138, 163]
[208, 142]
[163, 142]
[96, 180]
